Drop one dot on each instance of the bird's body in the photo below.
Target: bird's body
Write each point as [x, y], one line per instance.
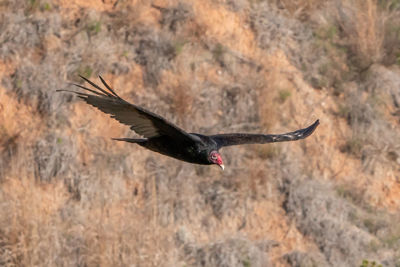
[166, 138]
[193, 153]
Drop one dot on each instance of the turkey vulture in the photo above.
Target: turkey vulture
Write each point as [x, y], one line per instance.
[168, 139]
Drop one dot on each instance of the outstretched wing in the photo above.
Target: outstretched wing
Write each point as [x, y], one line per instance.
[141, 120]
[239, 139]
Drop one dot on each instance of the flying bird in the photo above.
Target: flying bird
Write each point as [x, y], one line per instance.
[162, 136]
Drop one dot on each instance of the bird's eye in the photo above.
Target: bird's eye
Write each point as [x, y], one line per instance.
[213, 156]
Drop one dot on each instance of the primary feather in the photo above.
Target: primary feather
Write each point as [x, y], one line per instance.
[141, 120]
[240, 138]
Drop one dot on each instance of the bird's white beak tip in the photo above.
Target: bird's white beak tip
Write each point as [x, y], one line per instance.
[222, 166]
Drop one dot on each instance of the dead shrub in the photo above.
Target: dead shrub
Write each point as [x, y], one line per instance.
[363, 26]
[232, 252]
[325, 218]
[182, 101]
[301, 9]
[372, 138]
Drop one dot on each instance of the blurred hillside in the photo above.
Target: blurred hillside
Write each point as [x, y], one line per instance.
[70, 196]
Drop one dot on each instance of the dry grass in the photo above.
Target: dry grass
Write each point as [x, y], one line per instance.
[301, 9]
[363, 24]
[75, 233]
[28, 236]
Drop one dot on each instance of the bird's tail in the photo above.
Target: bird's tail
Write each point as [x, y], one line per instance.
[131, 140]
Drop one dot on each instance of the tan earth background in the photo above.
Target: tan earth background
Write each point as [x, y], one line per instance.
[70, 196]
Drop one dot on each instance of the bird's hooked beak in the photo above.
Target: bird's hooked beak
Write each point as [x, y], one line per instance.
[219, 162]
[216, 158]
[222, 166]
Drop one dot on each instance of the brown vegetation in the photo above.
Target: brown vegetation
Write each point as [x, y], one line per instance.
[70, 196]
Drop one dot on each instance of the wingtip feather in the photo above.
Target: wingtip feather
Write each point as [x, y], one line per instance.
[108, 87]
[309, 130]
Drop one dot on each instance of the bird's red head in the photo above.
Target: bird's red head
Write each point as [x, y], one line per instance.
[216, 158]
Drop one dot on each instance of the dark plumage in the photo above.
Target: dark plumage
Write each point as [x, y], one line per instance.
[166, 138]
